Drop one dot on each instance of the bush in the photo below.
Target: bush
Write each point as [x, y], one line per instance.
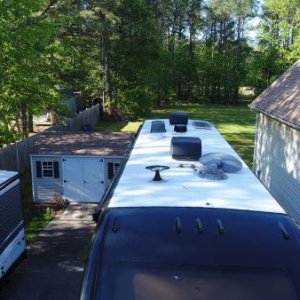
[135, 102]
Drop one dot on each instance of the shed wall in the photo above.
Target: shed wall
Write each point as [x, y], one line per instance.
[44, 188]
[276, 162]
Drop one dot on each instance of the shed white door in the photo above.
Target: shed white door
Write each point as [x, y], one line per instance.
[83, 179]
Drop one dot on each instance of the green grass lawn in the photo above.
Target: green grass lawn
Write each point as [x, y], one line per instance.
[36, 217]
[236, 123]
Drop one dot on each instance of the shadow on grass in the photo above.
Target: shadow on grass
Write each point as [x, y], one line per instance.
[109, 126]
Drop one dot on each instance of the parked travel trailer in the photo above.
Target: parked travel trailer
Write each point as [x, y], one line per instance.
[186, 219]
[12, 234]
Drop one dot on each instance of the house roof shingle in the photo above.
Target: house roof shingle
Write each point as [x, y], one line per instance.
[282, 98]
[82, 143]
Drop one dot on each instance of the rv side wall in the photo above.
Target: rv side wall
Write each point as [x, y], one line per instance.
[12, 234]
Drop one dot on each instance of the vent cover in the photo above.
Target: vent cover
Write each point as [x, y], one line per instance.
[178, 118]
[186, 148]
[202, 125]
[157, 126]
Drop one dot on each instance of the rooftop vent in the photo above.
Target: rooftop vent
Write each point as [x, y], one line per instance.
[180, 128]
[202, 125]
[186, 148]
[157, 126]
[180, 118]
[226, 162]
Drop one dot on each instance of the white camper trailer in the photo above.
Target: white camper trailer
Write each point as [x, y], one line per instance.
[12, 234]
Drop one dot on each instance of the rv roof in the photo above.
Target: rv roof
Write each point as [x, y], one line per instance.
[181, 187]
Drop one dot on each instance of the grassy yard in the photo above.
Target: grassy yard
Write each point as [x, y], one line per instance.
[236, 123]
[36, 216]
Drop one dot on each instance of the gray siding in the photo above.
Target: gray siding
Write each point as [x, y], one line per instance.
[10, 215]
[45, 188]
[277, 162]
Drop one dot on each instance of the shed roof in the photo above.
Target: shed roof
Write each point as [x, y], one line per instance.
[282, 99]
[82, 143]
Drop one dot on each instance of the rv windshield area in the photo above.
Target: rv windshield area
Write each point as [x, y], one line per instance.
[165, 253]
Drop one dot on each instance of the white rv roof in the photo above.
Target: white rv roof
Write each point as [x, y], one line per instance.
[6, 175]
[182, 187]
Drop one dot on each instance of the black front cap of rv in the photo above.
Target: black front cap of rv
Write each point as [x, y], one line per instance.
[193, 253]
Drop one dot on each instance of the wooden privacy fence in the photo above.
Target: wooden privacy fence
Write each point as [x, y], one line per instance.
[89, 117]
[16, 157]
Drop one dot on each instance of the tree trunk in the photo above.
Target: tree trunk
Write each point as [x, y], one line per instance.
[105, 60]
[24, 123]
[237, 64]
[30, 121]
[108, 71]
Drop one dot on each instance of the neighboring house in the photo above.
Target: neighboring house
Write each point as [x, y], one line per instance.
[277, 141]
[73, 102]
[76, 166]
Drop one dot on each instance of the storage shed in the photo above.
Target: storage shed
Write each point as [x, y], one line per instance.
[12, 234]
[277, 141]
[76, 166]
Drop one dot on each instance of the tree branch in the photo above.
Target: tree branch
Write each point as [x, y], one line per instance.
[48, 7]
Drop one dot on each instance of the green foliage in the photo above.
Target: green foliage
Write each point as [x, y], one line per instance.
[7, 135]
[36, 217]
[278, 45]
[36, 223]
[136, 55]
[135, 102]
[26, 84]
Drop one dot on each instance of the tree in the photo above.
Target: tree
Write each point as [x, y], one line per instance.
[278, 42]
[26, 85]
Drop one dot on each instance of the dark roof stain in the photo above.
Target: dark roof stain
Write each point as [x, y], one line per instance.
[82, 143]
[282, 98]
